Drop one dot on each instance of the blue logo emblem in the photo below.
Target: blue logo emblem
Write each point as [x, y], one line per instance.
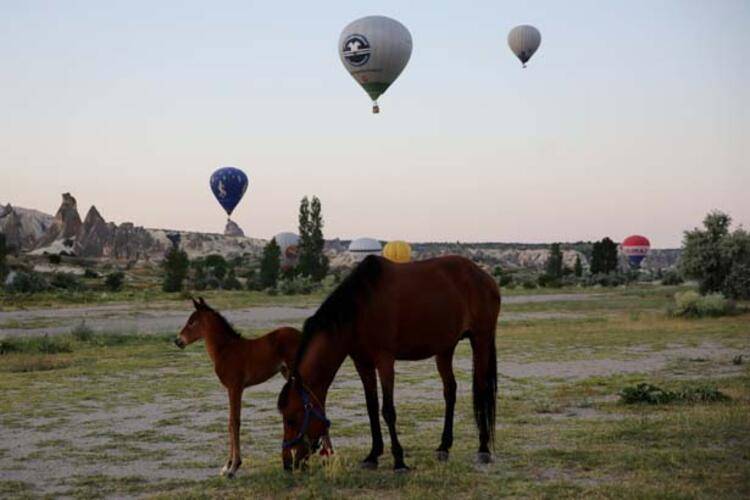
[357, 50]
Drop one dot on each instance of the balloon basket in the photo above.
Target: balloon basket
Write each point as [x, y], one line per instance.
[375, 108]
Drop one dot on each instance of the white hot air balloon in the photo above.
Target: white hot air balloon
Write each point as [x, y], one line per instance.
[375, 50]
[362, 247]
[524, 40]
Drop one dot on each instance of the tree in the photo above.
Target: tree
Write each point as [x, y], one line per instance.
[312, 261]
[604, 256]
[578, 268]
[555, 262]
[270, 264]
[175, 266]
[717, 258]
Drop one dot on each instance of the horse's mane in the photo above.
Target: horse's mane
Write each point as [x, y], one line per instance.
[226, 325]
[340, 307]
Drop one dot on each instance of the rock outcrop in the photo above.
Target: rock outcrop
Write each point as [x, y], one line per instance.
[95, 235]
[66, 225]
[22, 226]
[233, 229]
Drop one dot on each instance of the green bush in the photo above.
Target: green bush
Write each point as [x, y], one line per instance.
[90, 273]
[66, 281]
[114, 281]
[27, 282]
[231, 282]
[528, 284]
[54, 259]
[299, 285]
[650, 394]
[672, 278]
[35, 345]
[691, 304]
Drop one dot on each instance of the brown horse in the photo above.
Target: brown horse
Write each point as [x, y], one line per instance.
[384, 312]
[238, 362]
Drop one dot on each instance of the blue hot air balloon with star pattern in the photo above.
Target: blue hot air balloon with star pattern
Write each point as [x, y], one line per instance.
[229, 185]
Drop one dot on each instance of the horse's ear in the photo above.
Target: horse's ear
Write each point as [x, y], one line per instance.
[202, 302]
[195, 303]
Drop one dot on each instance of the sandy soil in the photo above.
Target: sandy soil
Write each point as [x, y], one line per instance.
[140, 318]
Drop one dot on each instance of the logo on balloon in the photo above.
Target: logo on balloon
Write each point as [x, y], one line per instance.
[357, 50]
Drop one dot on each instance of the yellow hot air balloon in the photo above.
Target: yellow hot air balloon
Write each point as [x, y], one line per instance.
[397, 251]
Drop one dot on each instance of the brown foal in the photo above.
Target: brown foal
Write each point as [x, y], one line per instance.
[238, 362]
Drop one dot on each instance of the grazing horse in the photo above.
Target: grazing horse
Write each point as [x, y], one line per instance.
[383, 312]
[238, 362]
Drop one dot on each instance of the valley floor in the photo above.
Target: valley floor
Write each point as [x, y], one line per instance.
[131, 415]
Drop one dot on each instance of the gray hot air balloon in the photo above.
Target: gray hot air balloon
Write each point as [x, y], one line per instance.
[375, 50]
[524, 40]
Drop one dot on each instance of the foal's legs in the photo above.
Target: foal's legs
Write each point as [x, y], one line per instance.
[370, 383]
[445, 367]
[235, 406]
[385, 370]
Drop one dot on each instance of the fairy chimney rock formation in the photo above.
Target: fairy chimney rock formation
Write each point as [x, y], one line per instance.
[67, 222]
[233, 229]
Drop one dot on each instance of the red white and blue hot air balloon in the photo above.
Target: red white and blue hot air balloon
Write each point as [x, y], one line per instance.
[636, 248]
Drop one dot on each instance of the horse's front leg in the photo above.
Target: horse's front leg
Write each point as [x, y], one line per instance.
[385, 370]
[370, 384]
[235, 408]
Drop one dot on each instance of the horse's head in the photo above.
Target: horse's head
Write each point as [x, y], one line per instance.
[196, 324]
[305, 423]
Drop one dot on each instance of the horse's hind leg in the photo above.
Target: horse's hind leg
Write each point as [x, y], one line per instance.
[445, 367]
[484, 388]
[370, 384]
[385, 370]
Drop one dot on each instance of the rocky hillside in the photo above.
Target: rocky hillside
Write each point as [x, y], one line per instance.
[66, 233]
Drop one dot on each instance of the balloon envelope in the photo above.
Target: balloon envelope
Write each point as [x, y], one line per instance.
[636, 248]
[375, 50]
[397, 251]
[228, 185]
[524, 40]
[289, 244]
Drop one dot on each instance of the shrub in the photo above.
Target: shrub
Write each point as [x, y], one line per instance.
[90, 273]
[231, 282]
[27, 282]
[672, 278]
[175, 266]
[645, 393]
[528, 284]
[691, 304]
[737, 283]
[546, 280]
[114, 281]
[66, 281]
[300, 285]
[54, 259]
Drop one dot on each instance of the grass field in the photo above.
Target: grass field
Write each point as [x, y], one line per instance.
[131, 415]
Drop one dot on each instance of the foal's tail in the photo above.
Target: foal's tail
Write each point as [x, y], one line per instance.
[484, 387]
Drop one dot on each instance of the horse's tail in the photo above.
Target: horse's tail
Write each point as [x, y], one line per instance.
[484, 387]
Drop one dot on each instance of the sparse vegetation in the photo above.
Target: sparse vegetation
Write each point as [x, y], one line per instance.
[651, 394]
[691, 304]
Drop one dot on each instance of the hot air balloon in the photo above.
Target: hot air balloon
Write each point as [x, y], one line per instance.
[636, 248]
[362, 247]
[229, 185]
[289, 244]
[397, 251]
[375, 50]
[524, 40]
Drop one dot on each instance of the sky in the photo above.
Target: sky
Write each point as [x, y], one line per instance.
[632, 117]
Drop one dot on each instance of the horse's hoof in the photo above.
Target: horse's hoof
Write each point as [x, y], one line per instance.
[368, 465]
[401, 469]
[441, 455]
[484, 457]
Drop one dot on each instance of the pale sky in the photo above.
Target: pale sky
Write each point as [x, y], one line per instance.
[633, 117]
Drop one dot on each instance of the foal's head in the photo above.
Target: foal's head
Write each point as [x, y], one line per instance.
[198, 324]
